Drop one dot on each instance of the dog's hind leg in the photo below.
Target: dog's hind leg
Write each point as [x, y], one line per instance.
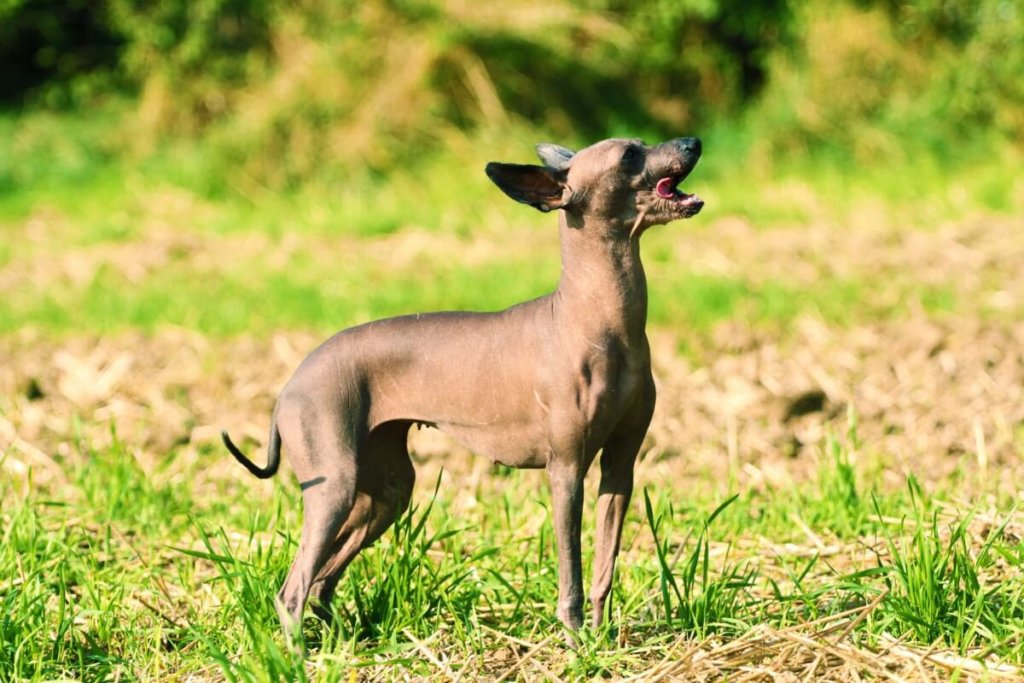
[384, 484]
[324, 458]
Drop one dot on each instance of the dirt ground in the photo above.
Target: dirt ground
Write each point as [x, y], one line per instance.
[930, 394]
[928, 397]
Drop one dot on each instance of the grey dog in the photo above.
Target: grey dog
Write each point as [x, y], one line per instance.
[545, 384]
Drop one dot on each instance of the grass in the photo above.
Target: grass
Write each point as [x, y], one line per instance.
[129, 562]
[240, 298]
[937, 586]
[117, 244]
[130, 575]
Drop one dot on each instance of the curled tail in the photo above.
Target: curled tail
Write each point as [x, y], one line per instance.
[273, 453]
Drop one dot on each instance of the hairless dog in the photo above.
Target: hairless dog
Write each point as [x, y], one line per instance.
[545, 384]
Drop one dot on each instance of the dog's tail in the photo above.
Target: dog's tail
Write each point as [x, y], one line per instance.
[273, 453]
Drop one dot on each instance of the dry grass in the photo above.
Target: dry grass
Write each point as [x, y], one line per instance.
[748, 407]
[933, 399]
[746, 400]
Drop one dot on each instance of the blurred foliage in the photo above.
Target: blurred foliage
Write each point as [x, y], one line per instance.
[877, 77]
[283, 91]
[54, 48]
[190, 57]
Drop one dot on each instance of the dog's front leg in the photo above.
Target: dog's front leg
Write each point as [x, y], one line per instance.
[566, 477]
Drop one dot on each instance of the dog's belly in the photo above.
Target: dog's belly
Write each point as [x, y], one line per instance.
[515, 446]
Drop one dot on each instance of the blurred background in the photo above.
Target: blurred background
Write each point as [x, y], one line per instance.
[191, 173]
[368, 118]
[275, 95]
[236, 167]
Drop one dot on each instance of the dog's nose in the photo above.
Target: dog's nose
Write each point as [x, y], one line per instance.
[691, 145]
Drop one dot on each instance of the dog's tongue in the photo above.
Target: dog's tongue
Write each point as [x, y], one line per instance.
[666, 188]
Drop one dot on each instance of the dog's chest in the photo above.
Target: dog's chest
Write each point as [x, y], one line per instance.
[608, 384]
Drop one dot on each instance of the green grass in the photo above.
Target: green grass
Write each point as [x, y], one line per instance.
[239, 300]
[129, 574]
[70, 186]
[935, 580]
[124, 565]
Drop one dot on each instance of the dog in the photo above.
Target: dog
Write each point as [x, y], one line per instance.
[546, 384]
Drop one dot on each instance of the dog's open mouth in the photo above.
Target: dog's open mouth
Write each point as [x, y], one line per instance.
[668, 188]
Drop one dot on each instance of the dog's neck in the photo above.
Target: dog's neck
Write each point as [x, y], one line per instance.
[602, 288]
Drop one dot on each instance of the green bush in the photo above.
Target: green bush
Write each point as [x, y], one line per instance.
[897, 78]
[194, 53]
[277, 93]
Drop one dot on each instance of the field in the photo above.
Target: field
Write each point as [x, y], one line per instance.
[829, 491]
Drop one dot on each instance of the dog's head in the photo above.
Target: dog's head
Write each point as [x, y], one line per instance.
[621, 183]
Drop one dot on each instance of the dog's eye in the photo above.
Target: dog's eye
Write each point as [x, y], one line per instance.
[631, 155]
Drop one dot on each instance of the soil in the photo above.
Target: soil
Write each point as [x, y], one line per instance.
[927, 397]
[933, 394]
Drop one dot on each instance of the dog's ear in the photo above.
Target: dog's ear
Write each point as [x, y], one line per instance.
[555, 156]
[540, 187]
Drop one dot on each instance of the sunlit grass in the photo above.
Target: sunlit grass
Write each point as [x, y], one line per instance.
[119, 569]
[130, 575]
[313, 266]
